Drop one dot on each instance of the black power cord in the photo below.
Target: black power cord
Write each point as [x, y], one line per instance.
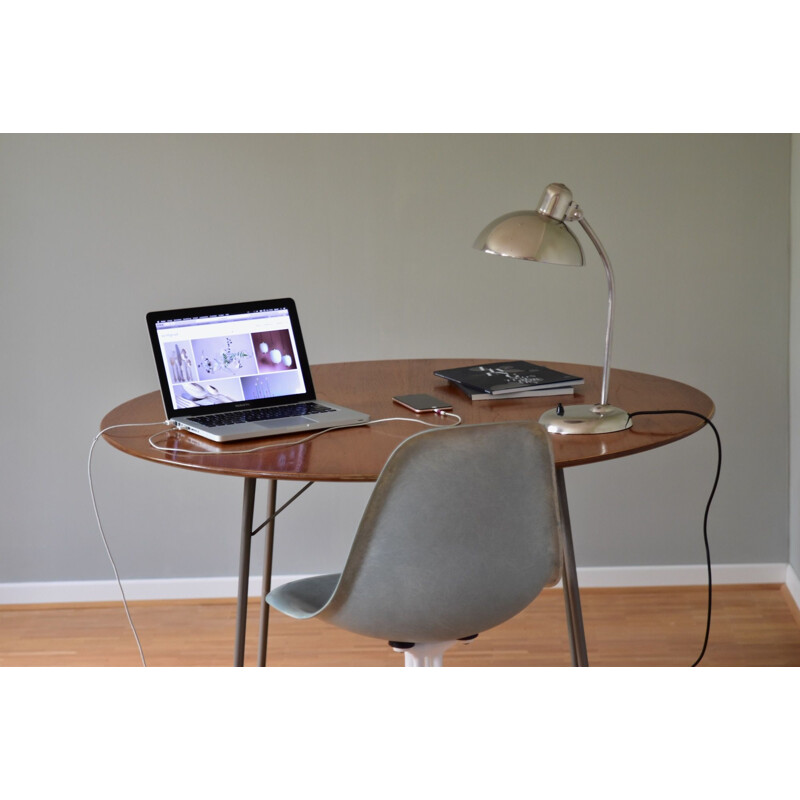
[708, 505]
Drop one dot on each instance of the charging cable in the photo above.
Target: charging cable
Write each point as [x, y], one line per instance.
[439, 412]
[102, 532]
[708, 505]
[225, 452]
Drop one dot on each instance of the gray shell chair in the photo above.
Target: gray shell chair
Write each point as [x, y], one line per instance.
[461, 532]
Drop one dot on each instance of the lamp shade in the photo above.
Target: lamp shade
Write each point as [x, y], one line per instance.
[531, 236]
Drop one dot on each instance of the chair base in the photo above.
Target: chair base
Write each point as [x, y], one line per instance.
[426, 654]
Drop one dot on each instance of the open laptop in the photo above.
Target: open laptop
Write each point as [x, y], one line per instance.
[239, 371]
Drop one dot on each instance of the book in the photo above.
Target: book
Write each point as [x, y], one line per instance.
[479, 394]
[501, 377]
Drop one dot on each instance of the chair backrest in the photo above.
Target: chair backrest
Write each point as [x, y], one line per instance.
[460, 534]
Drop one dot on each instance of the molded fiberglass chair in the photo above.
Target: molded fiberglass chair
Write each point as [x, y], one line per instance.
[461, 533]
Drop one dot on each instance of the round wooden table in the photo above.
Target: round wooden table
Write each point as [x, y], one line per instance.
[358, 454]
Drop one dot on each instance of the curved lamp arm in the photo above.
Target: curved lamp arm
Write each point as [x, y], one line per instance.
[575, 213]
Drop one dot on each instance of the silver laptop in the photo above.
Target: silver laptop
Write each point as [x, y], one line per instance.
[239, 371]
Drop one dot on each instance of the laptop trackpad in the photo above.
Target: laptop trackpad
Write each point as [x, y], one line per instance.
[286, 424]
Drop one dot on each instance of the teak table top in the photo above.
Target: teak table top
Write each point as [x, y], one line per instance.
[358, 454]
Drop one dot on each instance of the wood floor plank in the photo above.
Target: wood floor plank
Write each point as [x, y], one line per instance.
[664, 626]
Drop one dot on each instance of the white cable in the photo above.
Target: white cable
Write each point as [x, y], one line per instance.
[306, 439]
[102, 532]
[440, 412]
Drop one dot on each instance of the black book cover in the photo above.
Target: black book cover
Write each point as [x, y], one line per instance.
[508, 376]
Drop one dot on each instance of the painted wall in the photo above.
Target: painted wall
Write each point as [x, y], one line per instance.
[794, 416]
[372, 235]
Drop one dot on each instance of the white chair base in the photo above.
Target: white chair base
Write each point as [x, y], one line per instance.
[427, 654]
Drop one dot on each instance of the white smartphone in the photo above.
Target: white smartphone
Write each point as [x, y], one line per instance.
[422, 403]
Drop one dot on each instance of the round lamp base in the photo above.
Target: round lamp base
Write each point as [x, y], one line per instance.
[586, 419]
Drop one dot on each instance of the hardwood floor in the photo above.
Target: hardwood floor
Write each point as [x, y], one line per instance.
[751, 626]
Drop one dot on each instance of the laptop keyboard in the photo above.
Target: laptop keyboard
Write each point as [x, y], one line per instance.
[256, 414]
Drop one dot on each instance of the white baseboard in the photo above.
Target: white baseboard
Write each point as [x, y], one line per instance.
[680, 575]
[199, 588]
[793, 584]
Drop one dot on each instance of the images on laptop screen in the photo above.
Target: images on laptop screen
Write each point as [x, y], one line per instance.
[242, 355]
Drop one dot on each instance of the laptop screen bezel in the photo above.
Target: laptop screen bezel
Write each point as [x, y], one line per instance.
[222, 310]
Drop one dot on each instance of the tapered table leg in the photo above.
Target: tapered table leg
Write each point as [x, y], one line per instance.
[569, 575]
[244, 569]
[266, 585]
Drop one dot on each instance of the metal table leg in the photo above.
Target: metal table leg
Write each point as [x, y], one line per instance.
[266, 574]
[244, 569]
[569, 575]
[248, 532]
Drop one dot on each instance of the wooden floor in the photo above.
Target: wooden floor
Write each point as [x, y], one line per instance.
[751, 626]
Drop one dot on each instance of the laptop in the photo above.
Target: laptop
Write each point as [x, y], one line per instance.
[239, 371]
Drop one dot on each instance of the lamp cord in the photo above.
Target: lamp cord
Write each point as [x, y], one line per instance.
[708, 505]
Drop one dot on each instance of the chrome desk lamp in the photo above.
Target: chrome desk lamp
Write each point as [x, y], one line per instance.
[541, 235]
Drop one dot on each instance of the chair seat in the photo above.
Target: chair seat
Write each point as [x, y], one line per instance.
[304, 598]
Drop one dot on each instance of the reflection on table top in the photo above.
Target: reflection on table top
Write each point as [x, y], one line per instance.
[358, 454]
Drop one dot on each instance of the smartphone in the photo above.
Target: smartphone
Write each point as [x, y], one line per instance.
[421, 403]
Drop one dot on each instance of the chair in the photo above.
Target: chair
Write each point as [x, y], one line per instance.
[460, 534]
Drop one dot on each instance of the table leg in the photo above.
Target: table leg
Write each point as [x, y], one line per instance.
[569, 575]
[244, 569]
[266, 574]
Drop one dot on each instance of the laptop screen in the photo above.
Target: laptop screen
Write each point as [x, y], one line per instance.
[244, 355]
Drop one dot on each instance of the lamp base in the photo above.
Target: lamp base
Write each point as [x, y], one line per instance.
[586, 419]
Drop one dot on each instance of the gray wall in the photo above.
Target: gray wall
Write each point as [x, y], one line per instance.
[372, 235]
[794, 432]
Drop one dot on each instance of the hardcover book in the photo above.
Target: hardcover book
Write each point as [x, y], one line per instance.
[501, 377]
[479, 394]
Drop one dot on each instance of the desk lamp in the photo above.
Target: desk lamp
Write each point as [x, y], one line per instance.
[541, 235]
